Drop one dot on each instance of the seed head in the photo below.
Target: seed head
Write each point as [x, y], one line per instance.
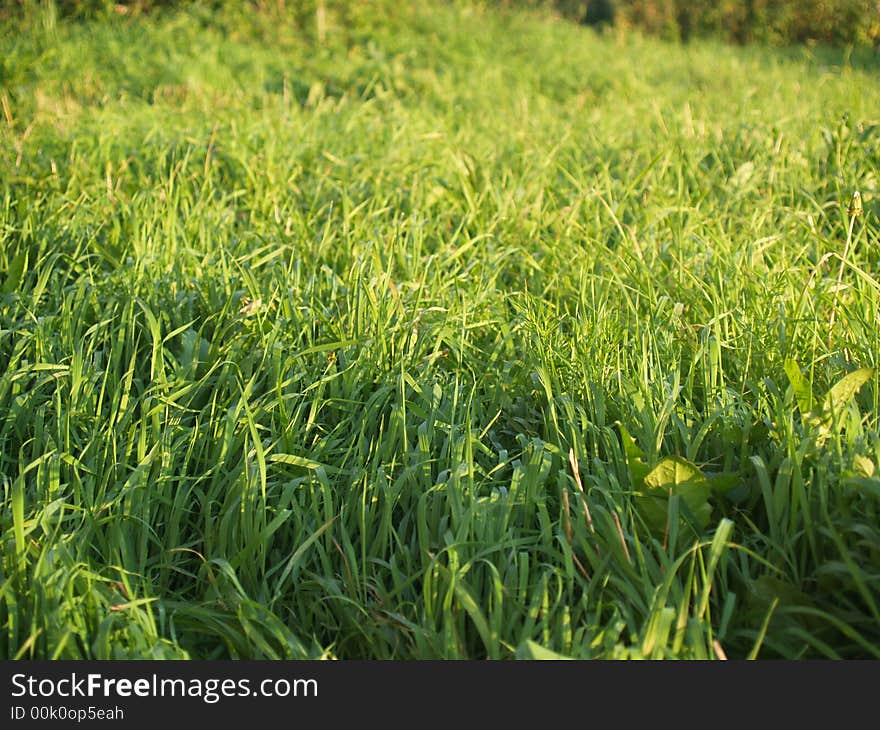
[855, 205]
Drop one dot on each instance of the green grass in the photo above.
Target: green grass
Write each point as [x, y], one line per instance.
[395, 343]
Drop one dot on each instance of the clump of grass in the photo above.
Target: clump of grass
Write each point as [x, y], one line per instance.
[452, 333]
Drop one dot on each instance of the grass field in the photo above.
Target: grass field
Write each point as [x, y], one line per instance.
[434, 332]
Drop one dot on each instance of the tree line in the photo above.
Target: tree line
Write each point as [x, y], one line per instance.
[835, 22]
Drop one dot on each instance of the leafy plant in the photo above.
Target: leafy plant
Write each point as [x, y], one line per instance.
[825, 418]
[673, 486]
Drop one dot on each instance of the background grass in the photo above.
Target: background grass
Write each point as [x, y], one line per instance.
[361, 343]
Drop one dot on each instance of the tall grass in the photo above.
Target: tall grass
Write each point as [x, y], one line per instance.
[455, 334]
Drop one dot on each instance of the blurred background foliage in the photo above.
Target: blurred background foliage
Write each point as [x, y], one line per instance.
[835, 22]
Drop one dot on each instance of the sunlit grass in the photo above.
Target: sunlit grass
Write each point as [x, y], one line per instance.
[396, 345]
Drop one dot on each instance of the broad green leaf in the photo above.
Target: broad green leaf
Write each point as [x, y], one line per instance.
[638, 470]
[678, 475]
[835, 400]
[803, 393]
[675, 477]
[845, 389]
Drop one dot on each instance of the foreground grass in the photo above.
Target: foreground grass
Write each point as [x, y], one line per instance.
[376, 346]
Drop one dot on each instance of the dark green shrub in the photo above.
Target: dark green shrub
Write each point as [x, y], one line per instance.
[836, 22]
